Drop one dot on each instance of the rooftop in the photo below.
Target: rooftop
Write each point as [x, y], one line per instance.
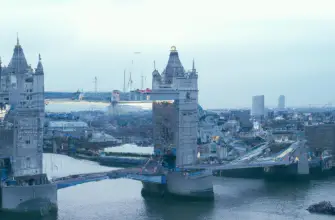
[58, 124]
[130, 148]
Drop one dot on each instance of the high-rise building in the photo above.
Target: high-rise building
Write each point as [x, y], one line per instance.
[281, 102]
[257, 109]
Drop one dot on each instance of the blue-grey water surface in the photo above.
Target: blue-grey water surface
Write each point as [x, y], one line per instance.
[234, 198]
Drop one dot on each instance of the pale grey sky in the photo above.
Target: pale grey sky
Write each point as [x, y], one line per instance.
[241, 47]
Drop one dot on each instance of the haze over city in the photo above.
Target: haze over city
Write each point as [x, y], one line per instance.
[240, 49]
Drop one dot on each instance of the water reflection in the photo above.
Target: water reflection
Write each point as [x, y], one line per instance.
[170, 208]
[234, 198]
[27, 216]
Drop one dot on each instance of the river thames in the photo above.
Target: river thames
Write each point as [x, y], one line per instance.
[234, 198]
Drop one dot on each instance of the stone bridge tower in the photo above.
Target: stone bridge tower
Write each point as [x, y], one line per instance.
[175, 110]
[23, 89]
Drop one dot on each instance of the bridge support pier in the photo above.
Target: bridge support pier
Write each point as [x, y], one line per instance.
[180, 185]
[153, 189]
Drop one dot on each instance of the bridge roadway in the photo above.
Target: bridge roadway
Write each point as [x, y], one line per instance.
[72, 180]
[253, 159]
[134, 173]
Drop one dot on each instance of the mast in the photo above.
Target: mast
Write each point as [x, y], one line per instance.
[130, 82]
[124, 81]
[95, 84]
[0, 73]
[142, 81]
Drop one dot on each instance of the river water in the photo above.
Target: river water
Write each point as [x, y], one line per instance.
[234, 198]
[121, 198]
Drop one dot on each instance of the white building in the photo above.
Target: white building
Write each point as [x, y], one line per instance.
[66, 128]
[257, 109]
[281, 102]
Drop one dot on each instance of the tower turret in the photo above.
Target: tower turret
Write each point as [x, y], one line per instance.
[39, 69]
[193, 66]
[18, 63]
[194, 70]
[156, 77]
[173, 67]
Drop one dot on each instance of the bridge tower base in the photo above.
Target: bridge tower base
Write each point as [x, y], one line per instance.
[180, 185]
[36, 198]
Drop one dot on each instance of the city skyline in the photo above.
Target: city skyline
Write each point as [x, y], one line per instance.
[237, 55]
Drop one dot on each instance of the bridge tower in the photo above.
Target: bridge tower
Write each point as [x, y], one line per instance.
[21, 140]
[175, 125]
[175, 106]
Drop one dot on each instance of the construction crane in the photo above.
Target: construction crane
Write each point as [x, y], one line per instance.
[130, 82]
[142, 77]
[95, 84]
[124, 81]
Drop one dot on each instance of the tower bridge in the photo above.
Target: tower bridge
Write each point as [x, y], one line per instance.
[172, 169]
[174, 99]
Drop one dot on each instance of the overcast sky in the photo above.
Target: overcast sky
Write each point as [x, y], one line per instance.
[241, 48]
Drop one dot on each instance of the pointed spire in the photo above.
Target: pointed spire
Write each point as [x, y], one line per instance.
[39, 69]
[17, 39]
[174, 66]
[193, 66]
[18, 63]
[155, 73]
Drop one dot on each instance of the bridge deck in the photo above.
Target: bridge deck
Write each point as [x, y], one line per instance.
[73, 180]
[253, 159]
[129, 173]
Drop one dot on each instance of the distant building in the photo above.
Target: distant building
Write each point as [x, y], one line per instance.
[281, 102]
[258, 109]
[321, 137]
[134, 95]
[95, 96]
[139, 95]
[243, 116]
[76, 129]
[270, 114]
